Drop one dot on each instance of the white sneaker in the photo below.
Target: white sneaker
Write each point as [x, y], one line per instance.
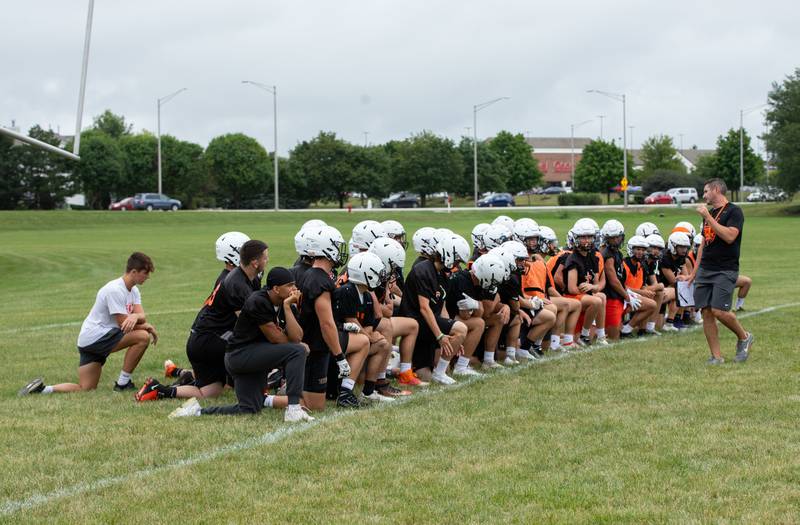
[442, 379]
[296, 414]
[491, 365]
[466, 371]
[187, 409]
[668, 327]
[375, 396]
[509, 361]
[602, 341]
[525, 356]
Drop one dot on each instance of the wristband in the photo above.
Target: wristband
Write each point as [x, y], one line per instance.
[441, 336]
[339, 357]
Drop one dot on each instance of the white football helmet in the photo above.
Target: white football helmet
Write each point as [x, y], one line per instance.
[613, 228]
[390, 252]
[394, 230]
[442, 233]
[685, 227]
[583, 228]
[495, 236]
[477, 235]
[646, 229]
[655, 241]
[525, 228]
[519, 253]
[698, 240]
[637, 241]
[228, 246]
[452, 249]
[548, 241]
[505, 221]
[313, 223]
[327, 242]
[366, 268]
[678, 239]
[301, 241]
[424, 241]
[364, 233]
[490, 271]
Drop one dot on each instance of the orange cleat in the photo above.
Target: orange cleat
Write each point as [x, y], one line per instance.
[409, 378]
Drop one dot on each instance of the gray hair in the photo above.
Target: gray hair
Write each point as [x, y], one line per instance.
[717, 183]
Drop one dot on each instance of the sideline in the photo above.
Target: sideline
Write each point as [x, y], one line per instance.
[10, 507]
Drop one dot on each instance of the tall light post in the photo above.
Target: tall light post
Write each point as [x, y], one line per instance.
[475, 109]
[619, 97]
[742, 113]
[572, 148]
[160, 103]
[601, 117]
[274, 91]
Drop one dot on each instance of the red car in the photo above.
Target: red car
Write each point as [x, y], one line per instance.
[658, 197]
[123, 205]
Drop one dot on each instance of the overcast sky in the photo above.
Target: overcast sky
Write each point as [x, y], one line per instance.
[395, 68]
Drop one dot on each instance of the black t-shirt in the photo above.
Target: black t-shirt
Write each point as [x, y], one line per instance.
[300, 267]
[460, 283]
[419, 260]
[314, 282]
[718, 255]
[670, 263]
[399, 279]
[219, 314]
[210, 298]
[257, 310]
[559, 267]
[585, 265]
[424, 280]
[510, 289]
[616, 255]
[348, 302]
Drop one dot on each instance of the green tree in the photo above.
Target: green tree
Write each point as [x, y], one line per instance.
[726, 165]
[239, 167]
[783, 138]
[43, 173]
[326, 163]
[491, 172]
[371, 172]
[141, 166]
[600, 167]
[659, 153]
[99, 174]
[112, 125]
[11, 184]
[426, 163]
[521, 170]
[183, 174]
[706, 167]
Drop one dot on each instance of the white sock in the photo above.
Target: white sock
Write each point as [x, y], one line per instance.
[294, 408]
[441, 366]
[567, 339]
[651, 326]
[47, 390]
[488, 357]
[585, 332]
[268, 401]
[463, 362]
[739, 302]
[626, 328]
[555, 342]
[511, 352]
[348, 383]
[601, 333]
[124, 378]
[405, 367]
[382, 375]
[395, 348]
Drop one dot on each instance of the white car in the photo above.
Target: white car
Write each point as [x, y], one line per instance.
[683, 195]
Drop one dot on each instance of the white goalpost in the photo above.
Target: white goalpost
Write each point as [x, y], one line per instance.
[75, 153]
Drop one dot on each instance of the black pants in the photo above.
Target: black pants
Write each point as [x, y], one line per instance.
[249, 366]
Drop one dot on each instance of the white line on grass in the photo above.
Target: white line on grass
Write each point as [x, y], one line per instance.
[37, 500]
[40, 327]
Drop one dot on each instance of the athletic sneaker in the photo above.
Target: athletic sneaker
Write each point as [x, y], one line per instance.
[189, 408]
[466, 371]
[149, 391]
[668, 327]
[122, 388]
[443, 379]
[186, 377]
[585, 341]
[170, 368]
[536, 351]
[491, 365]
[509, 361]
[274, 378]
[678, 324]
[409, 378]
[602, 341]
[34, 386]
[743, 348]
[568, 347]
[386, 389]
[378, 398]
[715, 360]
[629, 335]
[525, 356]
[347, 399]
[296, 414]
[653, 333]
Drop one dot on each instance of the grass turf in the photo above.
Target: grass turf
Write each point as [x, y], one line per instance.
[639, 432]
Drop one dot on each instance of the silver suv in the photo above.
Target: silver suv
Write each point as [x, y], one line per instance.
[682, 195]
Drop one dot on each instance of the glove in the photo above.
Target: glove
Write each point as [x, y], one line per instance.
[344, 366]
[468, 303]
[351, 327]
[537, 304]
[634, 300]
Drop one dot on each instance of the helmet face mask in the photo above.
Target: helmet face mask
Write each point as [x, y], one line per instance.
[585, 242]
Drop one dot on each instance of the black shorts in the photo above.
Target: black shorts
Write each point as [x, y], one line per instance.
[206, 353]
[425, 349]
[318, 366]
[99, 351]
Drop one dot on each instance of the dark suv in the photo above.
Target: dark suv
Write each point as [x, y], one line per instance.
[401, 200]
[155, 201]
[496, 200]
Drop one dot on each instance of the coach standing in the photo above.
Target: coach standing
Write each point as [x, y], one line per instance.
[719, 268]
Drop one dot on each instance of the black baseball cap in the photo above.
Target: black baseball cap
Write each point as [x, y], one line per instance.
[279, 276]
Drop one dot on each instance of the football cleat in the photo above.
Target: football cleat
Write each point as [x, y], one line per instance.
[35, 386]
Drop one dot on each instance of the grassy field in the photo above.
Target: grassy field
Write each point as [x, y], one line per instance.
[640, 432]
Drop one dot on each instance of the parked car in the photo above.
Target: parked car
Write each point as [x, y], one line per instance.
[658, 197]
[122, 205]
[756, 196]
[496, 200]
[155, 201]
[555, 190]
[682, 195]
[401, 200]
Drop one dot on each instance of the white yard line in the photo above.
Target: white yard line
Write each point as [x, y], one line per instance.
[10, 507]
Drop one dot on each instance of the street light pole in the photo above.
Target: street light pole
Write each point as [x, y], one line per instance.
[601, 117]
[274, 90]
[572, 149]
[475, 109]
[620, 97]
[162, 101]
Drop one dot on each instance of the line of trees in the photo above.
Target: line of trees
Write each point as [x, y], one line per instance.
[235, 171]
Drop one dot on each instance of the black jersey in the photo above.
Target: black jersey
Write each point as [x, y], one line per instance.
[619, 269]
[314, 282]
[258, 310]
[423, 280]
[459, 284]
[349, 303]
[585, 265]
[224, 273]
[218, 315]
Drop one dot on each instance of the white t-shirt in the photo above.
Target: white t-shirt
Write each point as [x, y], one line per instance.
[113, 298]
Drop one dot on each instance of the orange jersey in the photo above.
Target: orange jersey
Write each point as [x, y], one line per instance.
[635, 274]
[536, 279]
